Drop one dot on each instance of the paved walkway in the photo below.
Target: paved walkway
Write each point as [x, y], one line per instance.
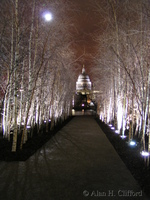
[79, 163]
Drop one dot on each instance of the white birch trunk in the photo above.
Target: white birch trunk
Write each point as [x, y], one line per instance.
[21, 95]
[8, 114]
[30, 69]
[14, 144]
[146, 111]
[4, 116]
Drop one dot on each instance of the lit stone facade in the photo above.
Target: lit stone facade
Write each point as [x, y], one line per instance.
[84, 97]
[83, 82]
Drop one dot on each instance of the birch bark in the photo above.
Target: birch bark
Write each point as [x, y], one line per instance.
[15, 112]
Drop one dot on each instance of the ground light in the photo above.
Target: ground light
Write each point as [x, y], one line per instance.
[132, 143]
[117, 131]
[123, 136]
[113, 128]
[145, 153]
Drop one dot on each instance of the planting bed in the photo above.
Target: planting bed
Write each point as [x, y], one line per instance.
[130, 155]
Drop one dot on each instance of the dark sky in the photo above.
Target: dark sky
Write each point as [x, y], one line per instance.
[85, 23]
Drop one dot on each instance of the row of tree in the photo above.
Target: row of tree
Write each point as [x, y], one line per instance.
[123, 67]
[37, 77]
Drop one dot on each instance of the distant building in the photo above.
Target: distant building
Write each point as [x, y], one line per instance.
[83, 83]
[83, 98]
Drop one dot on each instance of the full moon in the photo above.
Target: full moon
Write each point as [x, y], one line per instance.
[48, 16]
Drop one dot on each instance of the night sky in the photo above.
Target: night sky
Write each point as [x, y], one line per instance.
[84, 32]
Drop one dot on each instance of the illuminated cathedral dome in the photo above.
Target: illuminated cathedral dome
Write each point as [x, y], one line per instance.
[83, 82]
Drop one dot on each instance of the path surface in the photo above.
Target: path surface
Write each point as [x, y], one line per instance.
[78, 163]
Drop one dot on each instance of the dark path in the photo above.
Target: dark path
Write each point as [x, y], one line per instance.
[78, 163]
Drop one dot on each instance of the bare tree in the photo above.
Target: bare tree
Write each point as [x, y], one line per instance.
[38, 67]
[124, 61]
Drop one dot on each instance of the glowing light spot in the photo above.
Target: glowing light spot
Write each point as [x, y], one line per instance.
[132, 143]
[145, 153]
[110, 125]
[119, 115]
[48, 16]
[117, 131]
[113, 128]
[28, 126]
[73, 112]
[91, 104]
[123, 136]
